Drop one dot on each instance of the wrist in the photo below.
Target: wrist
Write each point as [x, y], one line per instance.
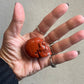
[8, 58]
[6, 74]
[4, 56]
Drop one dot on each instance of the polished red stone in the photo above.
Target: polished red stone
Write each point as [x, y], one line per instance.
[37, 48]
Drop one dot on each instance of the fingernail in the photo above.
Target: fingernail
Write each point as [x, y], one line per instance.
[67, 4]
[78, 52]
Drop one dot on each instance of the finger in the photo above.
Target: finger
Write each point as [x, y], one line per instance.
[64, 28]
[50, 19]
[66, 43]
[63, 57]
[17, 20]
[57, 59]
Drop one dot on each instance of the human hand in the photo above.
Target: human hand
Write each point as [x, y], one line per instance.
[13, 42]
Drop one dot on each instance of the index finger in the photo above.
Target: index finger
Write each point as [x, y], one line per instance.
[50, 19]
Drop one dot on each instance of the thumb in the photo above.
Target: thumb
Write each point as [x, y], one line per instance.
[17, 20]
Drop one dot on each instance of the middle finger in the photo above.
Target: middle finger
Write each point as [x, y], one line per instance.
[64, 28]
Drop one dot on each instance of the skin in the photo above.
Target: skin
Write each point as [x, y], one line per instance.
[13, 53]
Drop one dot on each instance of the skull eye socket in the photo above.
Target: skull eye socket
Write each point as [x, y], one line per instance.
[35, 52]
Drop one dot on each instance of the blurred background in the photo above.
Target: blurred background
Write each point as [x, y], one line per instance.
[71, 72]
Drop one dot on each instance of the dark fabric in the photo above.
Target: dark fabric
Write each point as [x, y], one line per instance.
[6, 74]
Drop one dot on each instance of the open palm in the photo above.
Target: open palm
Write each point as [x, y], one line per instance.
[13, 52]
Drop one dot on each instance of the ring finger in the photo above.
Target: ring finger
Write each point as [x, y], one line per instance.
[66, 43]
